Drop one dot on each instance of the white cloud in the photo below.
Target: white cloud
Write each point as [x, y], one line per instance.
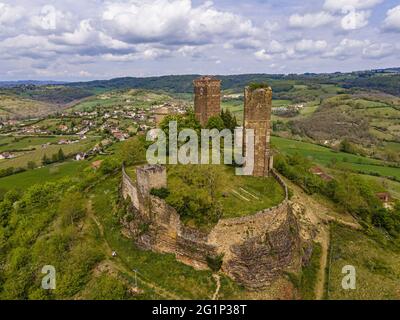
[276, 47]
[310, 46]
[350, 5]
[347, 48]
[263, 55]
[355, 20]
[10, 14]
[378, 50]
[311, 20]
[172, 21]
[392, 21]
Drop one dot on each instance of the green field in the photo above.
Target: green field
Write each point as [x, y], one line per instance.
[27, 142]
[51, 173]
[377, 267]
[129, 98]
[325, 156]
[22, 158]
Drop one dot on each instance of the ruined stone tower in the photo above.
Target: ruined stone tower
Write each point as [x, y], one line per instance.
[257, 116]
[207, 98]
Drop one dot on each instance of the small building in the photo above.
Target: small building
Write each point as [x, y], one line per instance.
[6, 155]
[80, 156]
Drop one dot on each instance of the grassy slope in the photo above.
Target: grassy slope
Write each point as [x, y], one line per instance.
[23, 158]
[13, 106]
[324, 156]
[377, 268]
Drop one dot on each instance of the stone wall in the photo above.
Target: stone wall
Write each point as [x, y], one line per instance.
[256, 248]
[207, 98]
[257, 116]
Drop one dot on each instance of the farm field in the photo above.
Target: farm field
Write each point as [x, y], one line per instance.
[26, 142]
[132, 98]
[50, 173]
[22, 158]
[325, 156]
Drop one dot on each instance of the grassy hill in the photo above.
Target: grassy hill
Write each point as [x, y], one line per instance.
[17, 107]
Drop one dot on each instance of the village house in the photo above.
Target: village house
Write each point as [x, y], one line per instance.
[6, 155]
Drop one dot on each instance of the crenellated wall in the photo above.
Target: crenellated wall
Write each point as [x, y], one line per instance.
[256, 248]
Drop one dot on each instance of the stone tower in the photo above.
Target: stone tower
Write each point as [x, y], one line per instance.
[257, 116]
[207, 98]
[151, 176]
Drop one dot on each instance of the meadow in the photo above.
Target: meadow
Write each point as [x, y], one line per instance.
[22, 158]
[50, 173]
[377, 267]
[326, 156]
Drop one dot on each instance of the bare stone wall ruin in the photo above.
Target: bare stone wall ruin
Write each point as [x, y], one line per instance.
[257, 116]
[256, 248]
[207, 98]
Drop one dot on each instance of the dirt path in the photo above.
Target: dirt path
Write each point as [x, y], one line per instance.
[321, 280]
[119, 263]
[217, 279]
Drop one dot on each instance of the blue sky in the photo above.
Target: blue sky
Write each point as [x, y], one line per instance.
[95, 39]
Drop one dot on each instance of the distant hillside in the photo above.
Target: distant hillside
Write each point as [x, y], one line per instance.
[9, 84]
[385, 80]
[173, 83]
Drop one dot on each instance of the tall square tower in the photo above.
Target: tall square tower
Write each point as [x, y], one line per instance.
[207, 98]
[257, 116]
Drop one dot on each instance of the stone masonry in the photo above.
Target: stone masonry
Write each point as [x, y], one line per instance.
[257, 116]
[256, 249]
[207, 98]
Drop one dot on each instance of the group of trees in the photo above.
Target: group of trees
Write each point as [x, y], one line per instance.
[193, 192]
[56, 157]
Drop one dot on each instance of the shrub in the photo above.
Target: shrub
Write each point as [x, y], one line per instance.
[215, 262]
[162, 193]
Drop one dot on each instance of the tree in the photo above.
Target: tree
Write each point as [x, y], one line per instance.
[45, 160]
[133, 151]
[229, 120]
[31, 165]
[215, 123]
[72, 208]
[61, 155]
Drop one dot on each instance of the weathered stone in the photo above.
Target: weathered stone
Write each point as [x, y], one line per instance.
[207, 98]
[255, 248]
[257, 116]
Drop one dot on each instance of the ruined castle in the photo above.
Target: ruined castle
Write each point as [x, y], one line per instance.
[255, 249]
[257, 116]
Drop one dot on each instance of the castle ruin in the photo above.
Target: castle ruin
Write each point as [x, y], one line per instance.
[256, 249]
[207, 98]
[257, 116]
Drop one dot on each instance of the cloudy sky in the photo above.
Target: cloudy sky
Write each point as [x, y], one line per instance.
[95, 39]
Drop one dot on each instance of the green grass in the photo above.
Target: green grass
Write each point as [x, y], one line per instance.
[49, 173]
[325, 156]
[377, 267]
[26, 142]
[22, 158]
[161, 269]
[238, 195]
